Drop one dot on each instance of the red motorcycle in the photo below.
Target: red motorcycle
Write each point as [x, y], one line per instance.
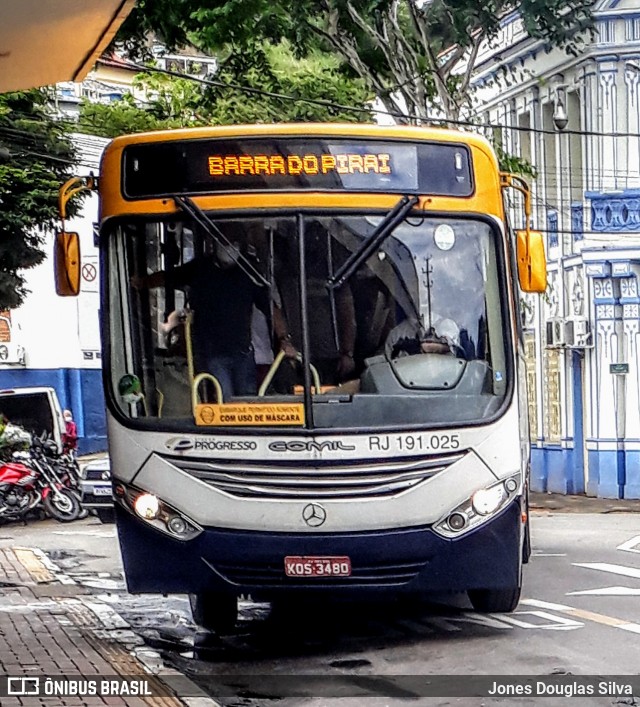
[30, 479]
[18, 490]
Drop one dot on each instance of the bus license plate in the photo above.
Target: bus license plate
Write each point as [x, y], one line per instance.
[310, 566]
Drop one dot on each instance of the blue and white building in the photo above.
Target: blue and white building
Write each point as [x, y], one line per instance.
[577, 120]
[55, 341]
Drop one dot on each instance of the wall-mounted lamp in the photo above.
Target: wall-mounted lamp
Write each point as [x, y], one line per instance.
[560, 117]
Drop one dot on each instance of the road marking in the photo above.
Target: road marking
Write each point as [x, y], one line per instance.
[630, 545]
[555, 623]
[549, 554]
[609, 591]
[584, 614]
[89, 533]
[613, 569]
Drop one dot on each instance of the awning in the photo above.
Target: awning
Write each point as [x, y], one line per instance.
[43, 42]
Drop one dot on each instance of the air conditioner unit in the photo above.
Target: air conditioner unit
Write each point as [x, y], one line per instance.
[11, 353]
[555, 333]
[577, 333]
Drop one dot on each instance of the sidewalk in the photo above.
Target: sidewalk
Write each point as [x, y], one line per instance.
[581, 504]
[52, 629]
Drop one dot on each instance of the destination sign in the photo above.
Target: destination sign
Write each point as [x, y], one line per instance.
[174, 167]
[239, 415]
[271, 165]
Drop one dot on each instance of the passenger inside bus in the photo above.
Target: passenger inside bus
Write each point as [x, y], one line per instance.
[222, 298]
[333, 334]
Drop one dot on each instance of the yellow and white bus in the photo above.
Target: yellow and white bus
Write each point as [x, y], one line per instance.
[312, 362]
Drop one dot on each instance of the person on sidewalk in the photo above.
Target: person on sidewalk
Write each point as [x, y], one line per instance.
[70, 436]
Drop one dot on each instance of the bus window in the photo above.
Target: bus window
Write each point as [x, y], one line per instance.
[185, 305]
[419, 323]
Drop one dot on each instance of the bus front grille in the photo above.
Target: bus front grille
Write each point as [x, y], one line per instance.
[270, 575]
[305, 479]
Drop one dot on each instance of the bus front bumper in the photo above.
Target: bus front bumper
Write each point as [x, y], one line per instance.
[414, 560]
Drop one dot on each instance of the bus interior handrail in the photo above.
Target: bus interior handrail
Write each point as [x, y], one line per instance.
[274, 367]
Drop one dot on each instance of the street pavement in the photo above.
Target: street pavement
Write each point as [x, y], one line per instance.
[48, 629]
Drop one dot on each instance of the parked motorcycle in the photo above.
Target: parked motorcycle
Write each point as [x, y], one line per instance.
[59, 497]
[65, 467]
[30, 475]
[18, 490]
[31, 480]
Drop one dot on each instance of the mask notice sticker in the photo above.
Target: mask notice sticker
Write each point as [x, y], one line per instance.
[240, 415]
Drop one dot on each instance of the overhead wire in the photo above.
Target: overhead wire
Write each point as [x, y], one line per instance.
[476, 124]
[90, 149]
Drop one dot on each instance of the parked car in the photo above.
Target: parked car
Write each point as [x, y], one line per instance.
[95, 489]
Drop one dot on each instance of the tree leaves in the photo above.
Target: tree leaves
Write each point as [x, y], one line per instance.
[281, 89]
[416, 56]
[40, 158]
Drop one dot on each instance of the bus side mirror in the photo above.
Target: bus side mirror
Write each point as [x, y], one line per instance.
[532, 264]
[66, 257]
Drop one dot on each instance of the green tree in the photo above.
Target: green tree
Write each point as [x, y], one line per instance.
[117, 118]
[263, 96]
[416, 56]
[38, 157]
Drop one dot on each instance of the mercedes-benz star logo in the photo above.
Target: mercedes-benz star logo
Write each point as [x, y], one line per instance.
[314, 515]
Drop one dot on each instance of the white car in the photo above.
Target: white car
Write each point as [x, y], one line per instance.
[96, 493]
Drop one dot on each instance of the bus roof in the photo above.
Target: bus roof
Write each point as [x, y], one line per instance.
[364, 130]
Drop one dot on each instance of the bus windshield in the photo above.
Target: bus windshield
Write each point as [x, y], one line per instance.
[419, 323]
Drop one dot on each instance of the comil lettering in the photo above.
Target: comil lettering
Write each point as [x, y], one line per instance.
[294, 165]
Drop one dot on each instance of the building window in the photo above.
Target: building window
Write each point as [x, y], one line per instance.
[552, 228]
[577, 222]
[632, 29]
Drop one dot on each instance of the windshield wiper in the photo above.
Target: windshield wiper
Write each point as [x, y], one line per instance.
[217, 236]
[375, 240]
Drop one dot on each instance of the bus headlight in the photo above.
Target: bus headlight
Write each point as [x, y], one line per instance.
[155, 512]
[486, 501]
[479, 508]
[147, 506]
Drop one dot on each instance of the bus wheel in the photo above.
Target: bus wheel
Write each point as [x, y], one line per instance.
[494, 600]
[215, 611]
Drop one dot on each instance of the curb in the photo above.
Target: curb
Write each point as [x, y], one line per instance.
[581, 504]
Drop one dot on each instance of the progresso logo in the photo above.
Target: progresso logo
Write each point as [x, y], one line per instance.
[179, 444]
[182, 444]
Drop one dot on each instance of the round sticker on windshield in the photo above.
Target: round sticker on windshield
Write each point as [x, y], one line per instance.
[444, 236]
